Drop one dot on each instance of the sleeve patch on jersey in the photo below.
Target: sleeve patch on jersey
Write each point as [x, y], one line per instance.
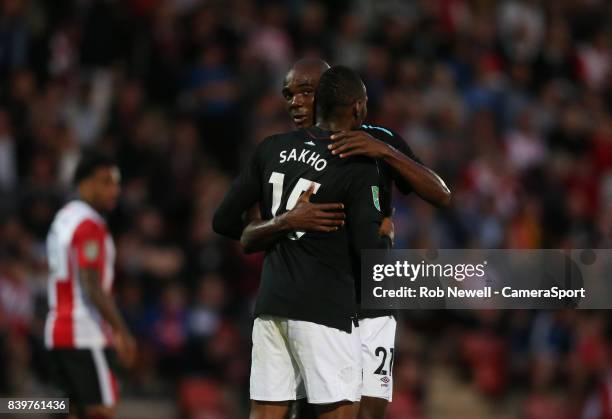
[376, 197]
[91, 250]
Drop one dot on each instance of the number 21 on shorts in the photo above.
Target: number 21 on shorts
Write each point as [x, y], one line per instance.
[381, 368]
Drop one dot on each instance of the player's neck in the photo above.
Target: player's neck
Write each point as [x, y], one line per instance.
[88, 200]
[336, 125]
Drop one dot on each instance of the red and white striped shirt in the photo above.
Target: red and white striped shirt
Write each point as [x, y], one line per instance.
[78, 238]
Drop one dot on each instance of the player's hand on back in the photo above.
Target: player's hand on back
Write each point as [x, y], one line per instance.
[309, 216]
[387, 229]
[357, 143]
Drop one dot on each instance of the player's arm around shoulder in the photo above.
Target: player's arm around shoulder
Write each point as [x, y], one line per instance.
[358, 143]
[412, 175]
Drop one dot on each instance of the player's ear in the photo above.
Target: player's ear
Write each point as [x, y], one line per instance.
[356, 110]
[359, 110]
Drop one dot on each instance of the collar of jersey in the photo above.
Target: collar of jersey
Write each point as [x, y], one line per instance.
[317, 133]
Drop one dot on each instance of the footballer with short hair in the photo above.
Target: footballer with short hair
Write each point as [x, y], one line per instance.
[84, 329]
[398, 165]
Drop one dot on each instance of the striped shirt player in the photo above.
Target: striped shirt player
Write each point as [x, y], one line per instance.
[83, 320]
[78, 238]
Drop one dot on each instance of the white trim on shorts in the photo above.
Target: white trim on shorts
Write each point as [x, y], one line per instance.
[104, 376]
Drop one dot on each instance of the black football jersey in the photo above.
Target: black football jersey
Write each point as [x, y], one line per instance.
[308, 276]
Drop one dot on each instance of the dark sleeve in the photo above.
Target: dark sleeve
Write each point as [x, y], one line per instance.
[363, 214]
[242, 195]
[402, 146]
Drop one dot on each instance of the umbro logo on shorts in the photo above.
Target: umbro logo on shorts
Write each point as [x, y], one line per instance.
[385, 380]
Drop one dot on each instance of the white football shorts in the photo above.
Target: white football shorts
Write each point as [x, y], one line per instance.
[293, 359]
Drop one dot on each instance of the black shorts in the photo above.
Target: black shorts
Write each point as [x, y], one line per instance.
[86, 376]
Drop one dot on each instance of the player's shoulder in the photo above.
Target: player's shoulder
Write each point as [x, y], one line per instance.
[280, 139]
[379, 132]
[356, 166]
[383, 134]
[76, 214]
[390, 137]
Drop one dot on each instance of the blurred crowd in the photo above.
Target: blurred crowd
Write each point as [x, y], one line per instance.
[509, 101]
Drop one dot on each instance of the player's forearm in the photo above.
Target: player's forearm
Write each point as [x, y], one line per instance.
[260, 235]
[109, 311]
[424, 181]
[103, 302]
